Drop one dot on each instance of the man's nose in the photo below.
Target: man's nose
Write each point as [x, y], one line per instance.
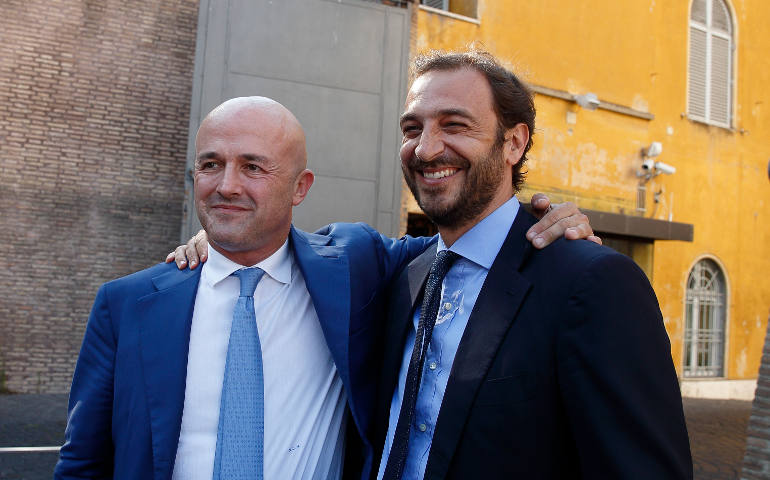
[430, 145]
[230, 183]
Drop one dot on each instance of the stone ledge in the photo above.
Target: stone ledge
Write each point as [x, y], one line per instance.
[719, 389]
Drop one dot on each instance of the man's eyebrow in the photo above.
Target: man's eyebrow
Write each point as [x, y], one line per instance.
[460, 112]
[253, 157]
[446, 112]
[207, 155]
[406, 117]
[250, 157]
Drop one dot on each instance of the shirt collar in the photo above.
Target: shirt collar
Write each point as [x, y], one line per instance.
[481, 243]
[278, 266]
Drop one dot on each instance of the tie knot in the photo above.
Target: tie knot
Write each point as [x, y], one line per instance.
[443, 262]
[249, 278]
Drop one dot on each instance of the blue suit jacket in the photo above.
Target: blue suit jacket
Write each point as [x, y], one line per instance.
[127, 396]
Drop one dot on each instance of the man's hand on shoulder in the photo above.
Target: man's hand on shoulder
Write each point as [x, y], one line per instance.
[561, 219]
[195, 251]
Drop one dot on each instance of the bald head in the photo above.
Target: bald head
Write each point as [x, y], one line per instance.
[249, 174]
[266, 118]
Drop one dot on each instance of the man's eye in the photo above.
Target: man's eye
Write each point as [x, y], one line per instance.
[208, 165]
[410, 130]
[253, 167]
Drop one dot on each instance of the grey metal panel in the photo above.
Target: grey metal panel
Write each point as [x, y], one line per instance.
[330, 117]
[384, 222]
[330, 195]
[325, 43]
[340, 66]
[394, 74]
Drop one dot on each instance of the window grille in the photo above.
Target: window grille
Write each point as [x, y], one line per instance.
[704, 330]
[709, 81]
[641, 198]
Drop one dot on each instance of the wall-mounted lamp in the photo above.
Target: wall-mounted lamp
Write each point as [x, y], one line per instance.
[589, 100]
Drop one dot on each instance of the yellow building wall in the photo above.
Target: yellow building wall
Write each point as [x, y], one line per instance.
[634, 53]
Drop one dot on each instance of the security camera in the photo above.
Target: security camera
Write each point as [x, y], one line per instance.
[651, 168]
[589, 101]
[664, 168]
[655, 149]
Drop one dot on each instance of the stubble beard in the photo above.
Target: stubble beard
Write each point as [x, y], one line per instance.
[483, 179]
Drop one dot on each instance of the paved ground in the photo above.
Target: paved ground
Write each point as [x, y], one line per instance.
[717, 431]
[30, 421]
[717, 435]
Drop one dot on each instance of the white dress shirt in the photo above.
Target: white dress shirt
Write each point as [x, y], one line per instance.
[304, 396]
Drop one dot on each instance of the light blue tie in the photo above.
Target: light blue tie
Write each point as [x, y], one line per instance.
[241, 432]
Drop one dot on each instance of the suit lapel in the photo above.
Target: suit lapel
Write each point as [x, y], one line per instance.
[403, 300]
[166, 317]
[418, 273]
[499, 300]
[327, 277]
[401, 310]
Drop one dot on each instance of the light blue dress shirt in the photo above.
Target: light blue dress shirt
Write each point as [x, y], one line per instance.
[478, 248]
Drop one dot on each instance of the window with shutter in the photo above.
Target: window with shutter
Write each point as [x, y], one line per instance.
[466, 8]
[698, 73]
[699, 11]
[442, 4]
[709, 69]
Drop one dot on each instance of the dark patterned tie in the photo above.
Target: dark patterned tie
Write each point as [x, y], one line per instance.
[428, 313]
[240, 436]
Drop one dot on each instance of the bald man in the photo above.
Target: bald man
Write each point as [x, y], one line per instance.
[159, 387]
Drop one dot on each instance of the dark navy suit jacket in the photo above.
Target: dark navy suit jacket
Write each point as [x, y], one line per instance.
[564, 370]
[127, 396]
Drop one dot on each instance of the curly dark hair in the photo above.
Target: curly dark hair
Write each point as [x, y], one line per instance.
[512, 99]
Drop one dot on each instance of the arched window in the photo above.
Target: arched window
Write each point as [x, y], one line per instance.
[704, 329]
[710, 65]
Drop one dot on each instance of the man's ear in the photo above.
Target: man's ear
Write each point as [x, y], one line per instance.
[516, 139]
[302, 186]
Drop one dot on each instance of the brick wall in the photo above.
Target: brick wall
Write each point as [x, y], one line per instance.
[756, 463]
[94, 107]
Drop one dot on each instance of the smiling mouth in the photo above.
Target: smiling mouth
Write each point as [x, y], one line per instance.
[231, 208]
[443, 173]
